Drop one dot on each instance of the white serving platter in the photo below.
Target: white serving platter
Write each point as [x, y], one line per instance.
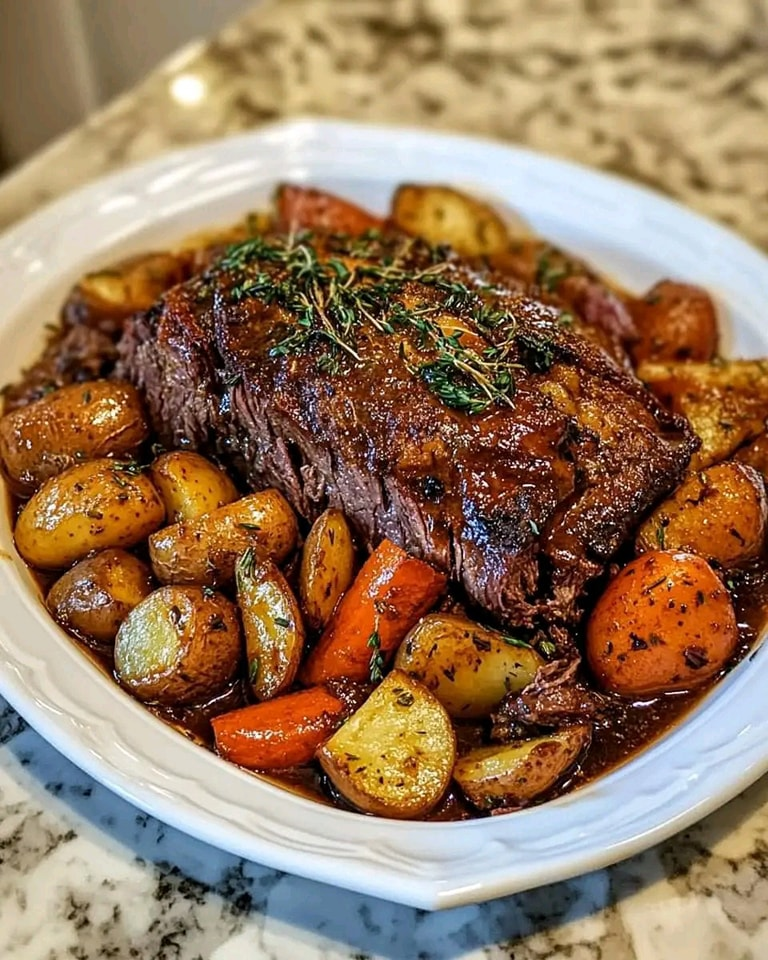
[633, 234]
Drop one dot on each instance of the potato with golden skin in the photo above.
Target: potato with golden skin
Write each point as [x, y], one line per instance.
[665, 622]
[92, 506]
[394, 756]
[442, 214]
[83, 421]
[726, 401]
[179, 645]
[93, 598]
[327, 567]
[517, 773]
[190, 485]
[719, 513]
[469, 668]
[675, 321]
[272, 624]
[105, 298]
[755, 455]
[205, 550]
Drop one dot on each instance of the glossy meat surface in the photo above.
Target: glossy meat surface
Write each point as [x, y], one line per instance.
[434, 403]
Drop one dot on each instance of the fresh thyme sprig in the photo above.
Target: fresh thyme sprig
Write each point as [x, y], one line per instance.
[332, 300]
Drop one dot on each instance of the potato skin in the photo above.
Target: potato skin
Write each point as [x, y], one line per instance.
[394, 756]
[105, 298]
[93, 598]
[514, 774]
[665, 622]
[726, 401]
[675, 321]
[467, 667]
[92, 506]
[272, 624]
[441, 214]
[205, 550]
[178, 646]
[327, 567]
[719, 513]
[83, 421]
[190, 485]
[755, 455]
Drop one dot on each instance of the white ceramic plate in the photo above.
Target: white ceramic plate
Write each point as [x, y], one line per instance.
[633, 234]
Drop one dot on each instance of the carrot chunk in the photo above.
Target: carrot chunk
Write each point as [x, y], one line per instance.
[388, 596]
[283, 732]
[304, 208]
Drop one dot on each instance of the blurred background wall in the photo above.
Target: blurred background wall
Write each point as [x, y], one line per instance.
[59, 59]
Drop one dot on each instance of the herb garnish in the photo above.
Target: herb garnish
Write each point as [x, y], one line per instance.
[281, 621]
[514, 642]
[333, 300]
[253, 669]
[547, 648]
[245, 567]
[377, 658]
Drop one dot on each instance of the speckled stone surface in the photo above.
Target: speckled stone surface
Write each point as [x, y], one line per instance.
[672, 93]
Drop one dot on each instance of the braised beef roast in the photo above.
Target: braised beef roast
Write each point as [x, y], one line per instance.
[433, 402]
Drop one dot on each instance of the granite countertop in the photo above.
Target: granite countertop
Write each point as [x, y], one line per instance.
[669, 92]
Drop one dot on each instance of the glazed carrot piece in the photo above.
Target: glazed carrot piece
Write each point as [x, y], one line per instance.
[278, 733]
[388, 596]
[305, 208]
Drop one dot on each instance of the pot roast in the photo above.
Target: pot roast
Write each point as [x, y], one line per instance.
[430, 400]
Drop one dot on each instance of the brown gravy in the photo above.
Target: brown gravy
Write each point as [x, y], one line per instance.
[628, 727]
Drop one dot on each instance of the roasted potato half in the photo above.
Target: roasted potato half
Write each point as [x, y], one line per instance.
[327, 567]
[95, 505]
[446, 215]
[83, 421]
[675, 321]
[205, 550]
[468, 667]
[272, 623]
[179, 645]
[190, 485]
[394, 756]
[93, 598]
[665, 622]
[726, 401]
[515, 774]
[719, 513]
[755, 454]
[105, 298]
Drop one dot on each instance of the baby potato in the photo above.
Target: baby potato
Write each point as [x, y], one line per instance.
[179, 645]
[205, 550]
[726, 401]
[83, 421]
[274, 632]
[665, 622]
[467, 667]
[755, 455]
[675, 321]
[99, 504]
[394, 756]
[93, 598]
[514, 774]
[446, 215]
[106, 298]
[719, 513]
[327, 567]
[190, 485]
